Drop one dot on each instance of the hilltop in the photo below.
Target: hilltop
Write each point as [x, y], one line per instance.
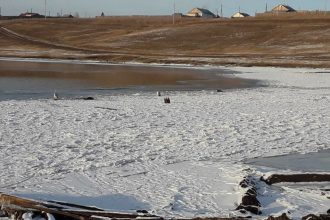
[271, 41]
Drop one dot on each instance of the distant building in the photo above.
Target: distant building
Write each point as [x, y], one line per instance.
[283, 9]
[67, 16]
[200, 12]
[240, 15]
[31, 15]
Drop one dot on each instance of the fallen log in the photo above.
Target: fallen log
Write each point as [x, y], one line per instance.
[296, 178]
[15, 207]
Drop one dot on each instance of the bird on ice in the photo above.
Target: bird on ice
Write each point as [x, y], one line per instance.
[55, 96]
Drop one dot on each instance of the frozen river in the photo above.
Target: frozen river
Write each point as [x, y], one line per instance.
[35, 79]
[185, 159]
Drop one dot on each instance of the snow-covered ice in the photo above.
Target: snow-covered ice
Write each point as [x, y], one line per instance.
[134, 152]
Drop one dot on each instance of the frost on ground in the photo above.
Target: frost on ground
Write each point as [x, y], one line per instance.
[133, 152]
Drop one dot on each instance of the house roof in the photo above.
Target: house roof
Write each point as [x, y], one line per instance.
[283, 8]
[201, 10]
[28, 14]
[240, 14]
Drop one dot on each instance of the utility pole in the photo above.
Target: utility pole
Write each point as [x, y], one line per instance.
[174, 12]
[266, 7]
[45, 9]
[221, 12]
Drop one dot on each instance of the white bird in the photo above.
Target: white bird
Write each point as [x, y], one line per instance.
[55, 96]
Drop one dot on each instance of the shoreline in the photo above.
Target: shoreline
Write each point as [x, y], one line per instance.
[146, 64]
[225, 60]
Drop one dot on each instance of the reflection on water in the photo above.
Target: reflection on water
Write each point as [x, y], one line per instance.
[25, 80]
[28, 88]
[312, 162]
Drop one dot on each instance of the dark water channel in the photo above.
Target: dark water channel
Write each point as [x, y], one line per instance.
[36, 79]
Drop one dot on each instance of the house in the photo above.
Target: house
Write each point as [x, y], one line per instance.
[31, 15]
[240, 15]
[200, 12]
[283, 9]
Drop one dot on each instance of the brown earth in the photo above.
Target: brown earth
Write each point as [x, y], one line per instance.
[274, 41]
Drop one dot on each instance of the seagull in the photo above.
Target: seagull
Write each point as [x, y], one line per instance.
[55, 96]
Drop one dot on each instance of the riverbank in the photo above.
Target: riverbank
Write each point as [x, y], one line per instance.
[277, 41]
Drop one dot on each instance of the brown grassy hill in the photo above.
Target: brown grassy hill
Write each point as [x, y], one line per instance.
[285, 41]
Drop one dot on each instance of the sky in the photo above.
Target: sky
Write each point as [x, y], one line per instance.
[91, 8]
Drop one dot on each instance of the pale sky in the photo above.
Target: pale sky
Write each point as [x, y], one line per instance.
[91, 8]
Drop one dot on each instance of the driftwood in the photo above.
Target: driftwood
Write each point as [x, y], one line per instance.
[315, 217]
[282, 217]
[15, 207]
[296, 178]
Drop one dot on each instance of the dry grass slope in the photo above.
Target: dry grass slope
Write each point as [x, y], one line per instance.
[284, 41]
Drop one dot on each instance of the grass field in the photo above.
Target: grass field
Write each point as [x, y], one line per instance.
[275, 41]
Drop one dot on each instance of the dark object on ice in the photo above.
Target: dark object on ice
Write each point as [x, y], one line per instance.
[2, 214]
[282, 217]
[296, 178]
[142, 211]
[315, 217]
[88, 98]
[247, 182]
[219, 90]
[167, 100]
[159, 94]
[253, 209]
[249, 201]
[111, 109]
[328, 211]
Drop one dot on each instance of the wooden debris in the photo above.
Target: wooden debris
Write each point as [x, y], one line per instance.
[15, 208]
[282, 217]
[296, 178]
[315, 217]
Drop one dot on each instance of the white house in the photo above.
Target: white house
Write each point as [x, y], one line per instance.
[200, 12]
[240, 15]
[283, 8]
